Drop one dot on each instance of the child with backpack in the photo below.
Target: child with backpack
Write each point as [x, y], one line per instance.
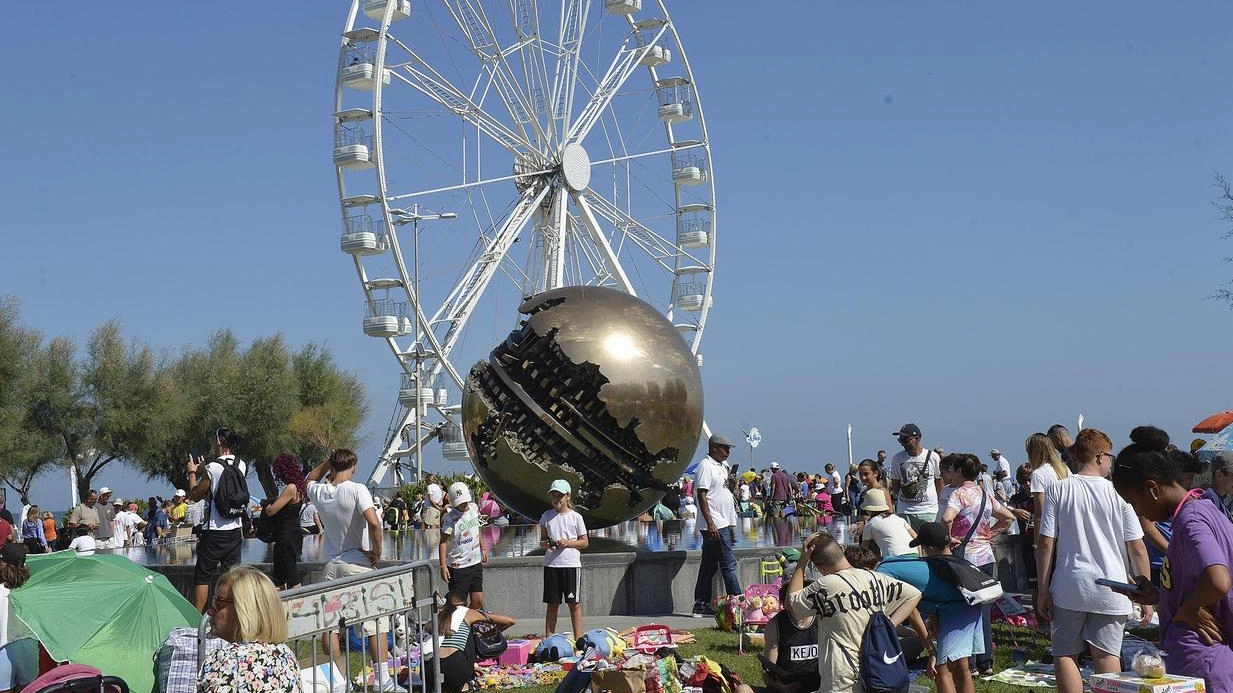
[856, 614]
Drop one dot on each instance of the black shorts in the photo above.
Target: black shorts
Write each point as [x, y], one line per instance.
[562, 585]
[469, 579]
[217, 551]
[456, 669]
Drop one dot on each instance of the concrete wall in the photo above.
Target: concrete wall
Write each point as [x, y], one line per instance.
[626, 583]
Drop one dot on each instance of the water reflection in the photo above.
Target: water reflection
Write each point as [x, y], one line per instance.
[523, 540]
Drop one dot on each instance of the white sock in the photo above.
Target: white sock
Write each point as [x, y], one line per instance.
[383, 670]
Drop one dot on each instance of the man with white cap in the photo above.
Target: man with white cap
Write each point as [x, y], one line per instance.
[179, 506]
[106, 516]
[717, 519]
[1002, 462]
[780, 491]
[461, 552]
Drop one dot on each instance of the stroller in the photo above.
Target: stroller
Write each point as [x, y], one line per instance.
[76, 678]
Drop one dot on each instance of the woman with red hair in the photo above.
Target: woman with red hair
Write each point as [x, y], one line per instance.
[284, 514]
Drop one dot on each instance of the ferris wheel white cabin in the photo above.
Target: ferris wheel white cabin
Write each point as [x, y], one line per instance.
[485, 152]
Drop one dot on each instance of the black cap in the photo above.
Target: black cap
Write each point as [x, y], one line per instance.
[908, 430]
[14, 554]
[931, 534]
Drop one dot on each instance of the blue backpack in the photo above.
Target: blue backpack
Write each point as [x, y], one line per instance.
[881, 667]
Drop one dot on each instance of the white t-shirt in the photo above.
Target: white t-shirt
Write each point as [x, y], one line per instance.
[712, 477]
[567, 525]
[744, 493]
[463, 531]
[84, 545]
[1043, 478]
[834, 484]
[986, 481]
[436, 495]
[943, 501]
[308, 515]
[215, 470]
[907, 468]
[1091, 525]
[343, 526]
[843, 603]
[891, 533]
[1004, 465]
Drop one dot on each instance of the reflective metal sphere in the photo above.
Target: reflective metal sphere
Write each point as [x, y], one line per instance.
[595, 387]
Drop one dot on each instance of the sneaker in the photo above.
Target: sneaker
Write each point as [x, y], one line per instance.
[702, 610]
[389, 685]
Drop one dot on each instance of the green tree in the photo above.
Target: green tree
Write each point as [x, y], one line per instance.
[331, 405]
[25, 451]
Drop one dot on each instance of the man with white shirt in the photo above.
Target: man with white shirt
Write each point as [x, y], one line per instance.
[351, 543]
[218, 546]
[717, 521]
[915, 478]
[1002, 462]
[434, 503]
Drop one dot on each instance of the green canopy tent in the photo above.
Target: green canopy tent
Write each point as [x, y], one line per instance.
[102, 610]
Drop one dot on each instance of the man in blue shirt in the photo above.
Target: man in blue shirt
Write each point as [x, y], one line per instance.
[957, 626]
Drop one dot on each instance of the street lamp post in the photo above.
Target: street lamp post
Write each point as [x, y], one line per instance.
[414, 216]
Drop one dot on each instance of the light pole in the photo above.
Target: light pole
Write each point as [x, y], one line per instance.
[400, 217]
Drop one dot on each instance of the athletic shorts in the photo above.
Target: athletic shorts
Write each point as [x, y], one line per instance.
[1074, 630]
[562, 585]
[961, 634]
[468, 579]
[336, 569]
[217, 551]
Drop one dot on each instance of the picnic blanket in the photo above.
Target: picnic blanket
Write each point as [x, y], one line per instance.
[1032, 674]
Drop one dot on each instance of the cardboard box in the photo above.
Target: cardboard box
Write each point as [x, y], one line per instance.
[1129, 682]
[618, 681]
[517, 652]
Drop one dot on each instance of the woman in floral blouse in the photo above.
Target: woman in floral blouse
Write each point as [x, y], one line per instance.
[248, 615]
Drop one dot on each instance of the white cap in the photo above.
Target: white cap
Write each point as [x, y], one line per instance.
[459, 494]
[179, 493]
[774, 465]
[104, 491]
[995, 452]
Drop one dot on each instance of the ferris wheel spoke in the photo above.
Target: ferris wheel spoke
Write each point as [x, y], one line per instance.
[475, 26]
[657, 247]
[627, 61]
[569, 42]
[444, 93]
[476, 280]
[600, 241]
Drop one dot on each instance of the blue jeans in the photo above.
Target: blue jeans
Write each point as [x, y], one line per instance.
[717, 556]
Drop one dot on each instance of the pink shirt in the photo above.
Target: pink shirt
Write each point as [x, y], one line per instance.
[966, 501]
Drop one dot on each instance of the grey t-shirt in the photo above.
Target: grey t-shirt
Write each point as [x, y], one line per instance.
[106, 513]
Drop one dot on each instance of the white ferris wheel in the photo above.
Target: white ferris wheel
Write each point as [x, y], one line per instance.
[488, 150]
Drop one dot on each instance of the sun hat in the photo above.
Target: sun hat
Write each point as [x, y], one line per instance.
[459, 494]
[875, 501]
[560, 486]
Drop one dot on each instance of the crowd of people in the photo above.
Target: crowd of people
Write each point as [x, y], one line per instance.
[1109, 539]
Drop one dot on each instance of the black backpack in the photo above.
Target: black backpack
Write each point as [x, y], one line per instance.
[263, 526]
[231, 496]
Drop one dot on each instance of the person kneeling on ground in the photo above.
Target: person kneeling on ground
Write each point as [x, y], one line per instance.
[956, 625]
[247, 614]
[457, 651]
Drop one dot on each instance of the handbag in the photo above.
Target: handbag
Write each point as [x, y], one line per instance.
[980, 514]
[488, 640]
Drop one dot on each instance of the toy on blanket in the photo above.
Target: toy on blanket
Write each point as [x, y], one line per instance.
[758, 604]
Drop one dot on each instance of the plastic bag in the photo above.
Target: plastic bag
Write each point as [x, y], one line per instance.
[1149, 665]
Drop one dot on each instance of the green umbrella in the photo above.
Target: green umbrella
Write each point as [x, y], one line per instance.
[102, 610]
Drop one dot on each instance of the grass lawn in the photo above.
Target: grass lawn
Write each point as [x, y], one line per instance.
[721, 647]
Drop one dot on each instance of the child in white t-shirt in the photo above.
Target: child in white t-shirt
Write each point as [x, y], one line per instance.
[83, 543]
[562, 533]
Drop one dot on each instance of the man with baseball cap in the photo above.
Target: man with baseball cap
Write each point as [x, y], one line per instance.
[179, 506]
[780, 491]
[462, 555]
[717, 520]
[915, 478]
[106, 516]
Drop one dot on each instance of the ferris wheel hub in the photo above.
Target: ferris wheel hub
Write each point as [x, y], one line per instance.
[576, 167]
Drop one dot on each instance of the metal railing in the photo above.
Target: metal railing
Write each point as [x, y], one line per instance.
[398, 599]
[346, 136]
[383, 307]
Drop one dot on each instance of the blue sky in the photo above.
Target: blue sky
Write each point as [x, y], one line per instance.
[982, 217]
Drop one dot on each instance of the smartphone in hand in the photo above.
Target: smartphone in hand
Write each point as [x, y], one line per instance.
[1119, 586]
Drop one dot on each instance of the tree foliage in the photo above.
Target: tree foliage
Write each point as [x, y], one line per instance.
[1224, 205]
[115, 400]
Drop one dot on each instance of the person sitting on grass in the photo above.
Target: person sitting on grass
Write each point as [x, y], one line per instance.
[790, 655]
[457, 658]
[956, 625]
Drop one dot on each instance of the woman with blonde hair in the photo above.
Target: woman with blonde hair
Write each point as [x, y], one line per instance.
[247, 613]
[1045, 462]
